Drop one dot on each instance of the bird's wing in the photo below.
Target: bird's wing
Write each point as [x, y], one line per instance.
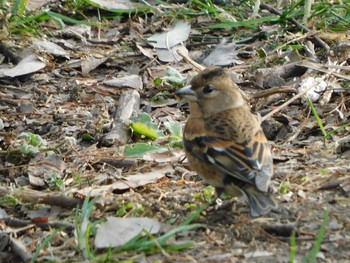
[249, 162]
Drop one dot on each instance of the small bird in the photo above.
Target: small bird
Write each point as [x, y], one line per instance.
[224, 142]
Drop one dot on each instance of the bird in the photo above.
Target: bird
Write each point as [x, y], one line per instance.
[224, 142]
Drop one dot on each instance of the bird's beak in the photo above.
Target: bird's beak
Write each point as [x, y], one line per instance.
[186, 93]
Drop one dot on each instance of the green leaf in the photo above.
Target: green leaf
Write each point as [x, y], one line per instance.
[175, 138]
[174, 128]
[157, 81]
[284, 188]
[36, 140]
[176, 144]
[32, 139]
[162, 96]
[87, 137]
[252, 23]
[146, 119]
[174, 76]
[143, 129]
[142, 148]
[24, 135]
[208, 193]
[28, 149]
[262, 53]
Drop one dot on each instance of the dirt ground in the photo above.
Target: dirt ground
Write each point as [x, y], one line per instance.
[72, 108]
[230, 236]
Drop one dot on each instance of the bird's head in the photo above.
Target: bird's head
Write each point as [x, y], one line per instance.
[213, 90]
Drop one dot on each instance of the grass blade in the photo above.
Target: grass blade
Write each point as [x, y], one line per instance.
[311, 256]
[318, 119]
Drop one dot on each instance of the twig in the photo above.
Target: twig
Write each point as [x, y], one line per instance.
[318, 67]
[20, 250]
[345, 68]
[272, 91]
[20, 223]
[190, 60]
[270, 114]
[39, 197]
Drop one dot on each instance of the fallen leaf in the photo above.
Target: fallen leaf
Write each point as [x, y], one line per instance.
[129, 181]
[112, 5]
[27, 65]
[91, 63]
[168, 43]
[117, 231]
[223, 55]
[45, 46]
[167, 40]
[132, 81]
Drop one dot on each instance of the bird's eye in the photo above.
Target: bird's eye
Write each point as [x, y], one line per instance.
[208, 89]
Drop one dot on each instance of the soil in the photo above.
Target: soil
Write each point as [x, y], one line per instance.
[73, 111]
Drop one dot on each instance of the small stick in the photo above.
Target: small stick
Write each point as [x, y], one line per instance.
[269, 115]
[272, 91]
[190, 60]
[20, 250]
[319, 67]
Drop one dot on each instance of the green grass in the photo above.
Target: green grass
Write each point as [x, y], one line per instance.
[130, 208]
[324, 14]
[326, 134]
[143, 242]
[312, 255]
[317, 117]
[21, 21]
[146, 242]
[9, 200]
[293, 248]
[251, 23]
[84, 227]
[333, 16]
[44, 243]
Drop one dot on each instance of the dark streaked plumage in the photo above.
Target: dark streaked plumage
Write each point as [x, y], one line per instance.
[224, 141]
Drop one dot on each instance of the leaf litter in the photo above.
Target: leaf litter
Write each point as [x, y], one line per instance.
[84, 97]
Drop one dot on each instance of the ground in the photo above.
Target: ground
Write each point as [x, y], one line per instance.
[95, 116]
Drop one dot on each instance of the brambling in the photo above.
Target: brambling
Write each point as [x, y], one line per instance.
[224, 142]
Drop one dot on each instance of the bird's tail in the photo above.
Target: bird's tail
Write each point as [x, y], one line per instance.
[260, 203]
